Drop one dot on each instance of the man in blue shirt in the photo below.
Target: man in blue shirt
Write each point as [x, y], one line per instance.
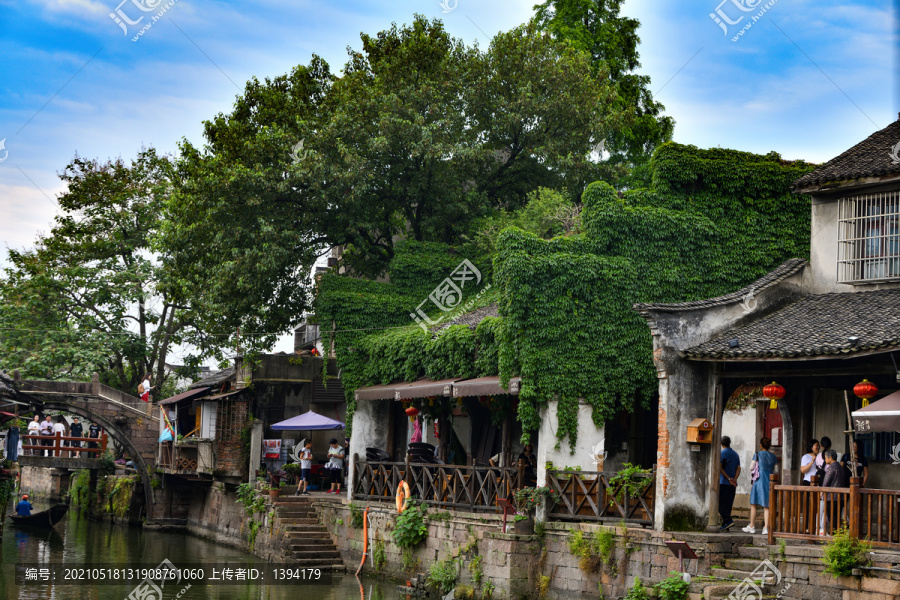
[23, 508]
[729, 471]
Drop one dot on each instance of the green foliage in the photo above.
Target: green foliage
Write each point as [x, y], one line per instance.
[845, 553]
[357, 517]
[442, 516]
[476, 569]
[107, 463]
[442, 575]
[543, 586]
[529, 498]
[6, 491]
[91, 296]
[451, 354]
[630, 482]
[379, 556]
[673, 587]
[252, 501]
[595, 552]
[410, 529]
[409, 561]
[487, 358]
[487, 592]
[637, 591]
[121, 494]
[716, 221]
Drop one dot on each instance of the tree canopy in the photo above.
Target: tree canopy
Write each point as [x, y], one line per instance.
[89, 296]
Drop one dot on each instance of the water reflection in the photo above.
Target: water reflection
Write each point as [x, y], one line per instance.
[77, 541]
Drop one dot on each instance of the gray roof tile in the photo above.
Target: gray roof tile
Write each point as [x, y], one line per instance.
[869, 158]
[472, 319]
[816, 325]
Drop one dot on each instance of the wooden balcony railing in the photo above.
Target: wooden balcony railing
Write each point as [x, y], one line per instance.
[814, 513]
[57, 445]
[588, 496]
[470, 488]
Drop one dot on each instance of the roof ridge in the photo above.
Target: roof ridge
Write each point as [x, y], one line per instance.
[780, 273]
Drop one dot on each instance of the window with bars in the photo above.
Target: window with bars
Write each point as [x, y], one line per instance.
[869, 238]
[231, 419]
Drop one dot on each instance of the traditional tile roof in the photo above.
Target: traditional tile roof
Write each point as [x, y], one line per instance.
[872, 157]
[472, 319]
[816, 325]
[217, 378]
[783, 271]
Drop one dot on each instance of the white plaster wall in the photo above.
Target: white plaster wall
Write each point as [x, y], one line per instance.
[588, 437]
[741, 428]
[370, 427]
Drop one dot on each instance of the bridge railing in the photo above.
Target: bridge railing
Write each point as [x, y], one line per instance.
[57, 448]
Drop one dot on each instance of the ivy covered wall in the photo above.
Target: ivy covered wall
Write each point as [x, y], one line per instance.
[714, 221]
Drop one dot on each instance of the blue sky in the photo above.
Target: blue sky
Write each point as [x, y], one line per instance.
[807, 79]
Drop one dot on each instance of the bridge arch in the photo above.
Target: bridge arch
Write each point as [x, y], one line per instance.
[117, 432]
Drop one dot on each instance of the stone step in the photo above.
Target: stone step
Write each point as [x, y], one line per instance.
[743, 564]
[291, 521]
[756, 552]
[738, 575]
[300, 511]
[302, 544]
[304, 552]
[303, 561]
[292, 527]
[305, 530]
[291, 500]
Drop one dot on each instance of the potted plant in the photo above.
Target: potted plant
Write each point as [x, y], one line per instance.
[527, 500]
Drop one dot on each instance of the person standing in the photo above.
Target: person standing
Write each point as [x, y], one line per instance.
[529, 460]
[824, 447]
[59, 428]
[306, 458]
[94, 432]
[862, 464]
[46, 435]
[808, 462]
[761, 468]
[145, 388]
[34, 428]
[729, 472]
[335, 465]
[24, 507]
[835, 477]
[76, 430]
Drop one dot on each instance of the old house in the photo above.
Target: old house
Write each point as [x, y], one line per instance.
[816, 327]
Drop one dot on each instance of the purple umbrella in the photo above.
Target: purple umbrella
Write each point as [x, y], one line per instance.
[308, 421]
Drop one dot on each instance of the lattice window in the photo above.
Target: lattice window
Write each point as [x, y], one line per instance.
[869, 238]
[231, 418]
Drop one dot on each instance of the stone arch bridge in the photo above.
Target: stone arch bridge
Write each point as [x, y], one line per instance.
[133, 424]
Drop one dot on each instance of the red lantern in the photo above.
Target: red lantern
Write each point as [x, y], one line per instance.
[866, 390]
[412, 411]
[774, 392]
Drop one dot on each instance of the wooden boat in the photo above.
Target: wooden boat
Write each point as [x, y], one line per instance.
[45, 519]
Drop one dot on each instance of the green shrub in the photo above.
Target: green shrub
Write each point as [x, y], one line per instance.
[638, 591]
[844, 553]
[673, 587]
[595, 552]
[410, 529]
[356, 516]
[379, 556]
[442, 575]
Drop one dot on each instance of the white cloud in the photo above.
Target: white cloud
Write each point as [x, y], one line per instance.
[72, 6]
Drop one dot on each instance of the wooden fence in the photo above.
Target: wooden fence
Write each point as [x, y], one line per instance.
[471, 488]
[815, 513]
[588, 496]
[57, 447]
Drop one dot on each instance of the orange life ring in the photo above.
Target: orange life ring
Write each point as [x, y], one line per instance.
[403, 494]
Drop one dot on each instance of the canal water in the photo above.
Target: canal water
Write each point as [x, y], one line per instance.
[98, 548]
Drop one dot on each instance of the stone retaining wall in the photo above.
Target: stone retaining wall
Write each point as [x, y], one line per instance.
[516, 565]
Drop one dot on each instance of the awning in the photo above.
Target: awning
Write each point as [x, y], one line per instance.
[188, 395]
[423, 388]
[377, 392]
[485, 386]
[308, 421]
[226, 395]
[883, 415]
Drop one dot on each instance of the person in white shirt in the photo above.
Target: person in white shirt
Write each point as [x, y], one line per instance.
[34, 428]
[59, 428]
[145, 395]
[306, 458]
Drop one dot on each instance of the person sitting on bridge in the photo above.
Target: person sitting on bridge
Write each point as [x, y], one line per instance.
[23, 508]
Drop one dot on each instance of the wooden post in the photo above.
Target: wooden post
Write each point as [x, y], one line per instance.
[521, 475]
[773, 508]
[852, 433]
[102, 445]
[853, 506]
[407, 475]
[472, 485]
[57, 445]
[353, 475]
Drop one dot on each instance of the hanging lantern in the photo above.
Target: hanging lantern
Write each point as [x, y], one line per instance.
[774, 392]
[866, 390]
[412, 411]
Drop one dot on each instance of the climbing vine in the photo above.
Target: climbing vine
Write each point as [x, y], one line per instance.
[713, 222]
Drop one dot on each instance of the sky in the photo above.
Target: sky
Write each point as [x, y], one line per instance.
[805, 79]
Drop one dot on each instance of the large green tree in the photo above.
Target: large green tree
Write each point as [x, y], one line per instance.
[597, 28]
[419, 136]
[89, 297]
